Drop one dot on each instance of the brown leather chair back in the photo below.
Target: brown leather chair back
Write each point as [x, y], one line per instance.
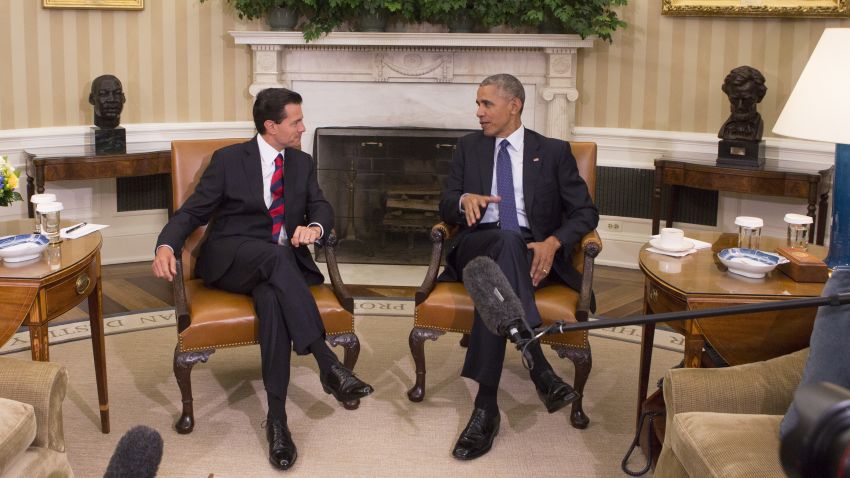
[585, 154]
[189, 159]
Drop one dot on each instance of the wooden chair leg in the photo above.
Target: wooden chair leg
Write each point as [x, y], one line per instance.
[417, 350]
[464, 341]
[183, 363]
[351, 344]
[582, 361]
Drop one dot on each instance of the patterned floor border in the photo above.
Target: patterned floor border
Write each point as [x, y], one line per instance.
[125, 323]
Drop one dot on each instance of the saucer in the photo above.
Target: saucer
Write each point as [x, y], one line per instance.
[686, 245]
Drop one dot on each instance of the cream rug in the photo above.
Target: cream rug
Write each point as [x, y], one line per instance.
[388, 436]
[374, 307]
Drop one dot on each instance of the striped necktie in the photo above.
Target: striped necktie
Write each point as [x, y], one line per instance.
[505, 188]
[276, 208]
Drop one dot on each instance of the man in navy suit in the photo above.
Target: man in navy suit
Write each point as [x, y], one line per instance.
[519, 200]
[264, 206]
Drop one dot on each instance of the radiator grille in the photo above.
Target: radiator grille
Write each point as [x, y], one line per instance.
[627, 192]
[140, 193]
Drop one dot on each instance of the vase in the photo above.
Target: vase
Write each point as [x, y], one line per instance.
[373, 22]
[282, 19]
[461, 22]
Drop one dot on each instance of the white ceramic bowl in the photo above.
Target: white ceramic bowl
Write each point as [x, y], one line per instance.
[749, 262]
[22, 247]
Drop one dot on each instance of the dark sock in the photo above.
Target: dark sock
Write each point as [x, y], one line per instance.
[323, 354]
[277, 407]
[540, 362]
[486, 398]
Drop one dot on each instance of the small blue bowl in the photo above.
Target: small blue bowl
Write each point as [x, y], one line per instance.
[22, 247]
[749, 262]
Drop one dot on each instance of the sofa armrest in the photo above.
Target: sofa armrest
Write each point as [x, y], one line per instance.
[757, 388]
[42, 385]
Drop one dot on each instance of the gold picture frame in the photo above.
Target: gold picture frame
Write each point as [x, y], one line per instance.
[96, 4]
[757, 8]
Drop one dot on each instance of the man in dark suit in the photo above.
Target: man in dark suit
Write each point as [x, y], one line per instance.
[257, 244]
[519, 200]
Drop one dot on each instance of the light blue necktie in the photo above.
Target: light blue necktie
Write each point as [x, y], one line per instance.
[505, 189]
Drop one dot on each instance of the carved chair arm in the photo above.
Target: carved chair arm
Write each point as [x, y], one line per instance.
[591, 246]
[181, 301]
[440, 233]
[339, 288]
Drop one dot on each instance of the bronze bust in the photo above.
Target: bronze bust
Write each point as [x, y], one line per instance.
[745, 88]
[108, 99]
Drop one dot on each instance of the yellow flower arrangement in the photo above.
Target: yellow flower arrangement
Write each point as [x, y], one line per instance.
[8, 183]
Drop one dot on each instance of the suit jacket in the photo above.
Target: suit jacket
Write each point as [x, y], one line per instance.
[229, 196]
[557, 202]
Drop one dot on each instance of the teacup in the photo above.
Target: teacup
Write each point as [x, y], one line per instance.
[672, 238]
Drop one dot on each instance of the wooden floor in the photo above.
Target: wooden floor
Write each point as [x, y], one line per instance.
[132, 288]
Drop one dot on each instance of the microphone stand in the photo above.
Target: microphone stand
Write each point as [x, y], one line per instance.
[604, 322]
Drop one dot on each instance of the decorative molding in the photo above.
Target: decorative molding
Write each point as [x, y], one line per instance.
[413, 65]
[418, 40]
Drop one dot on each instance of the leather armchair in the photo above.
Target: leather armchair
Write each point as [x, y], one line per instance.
[32, 440]
[724, 422]
[208, 318]
[446, 307]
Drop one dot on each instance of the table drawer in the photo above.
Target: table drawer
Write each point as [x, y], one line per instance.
[659, 300]
[67, 293]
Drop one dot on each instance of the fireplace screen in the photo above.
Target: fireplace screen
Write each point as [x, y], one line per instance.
[384, 185]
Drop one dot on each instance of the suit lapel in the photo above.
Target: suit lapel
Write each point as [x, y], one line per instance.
[531, 162]
[254, 170]
[486, 150]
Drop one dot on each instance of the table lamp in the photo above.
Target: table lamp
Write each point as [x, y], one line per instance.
[819, 109]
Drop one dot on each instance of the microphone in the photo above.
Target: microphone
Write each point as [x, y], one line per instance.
[497, 303]
[137, 454]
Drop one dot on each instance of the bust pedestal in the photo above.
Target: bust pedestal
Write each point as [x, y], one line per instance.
[109, 141]
[739, 153]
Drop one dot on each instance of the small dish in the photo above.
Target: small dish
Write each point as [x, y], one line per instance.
[22, 247]
[749, 262]
[685, 245]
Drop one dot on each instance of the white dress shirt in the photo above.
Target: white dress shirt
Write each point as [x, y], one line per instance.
[515, 151]
[267, 157]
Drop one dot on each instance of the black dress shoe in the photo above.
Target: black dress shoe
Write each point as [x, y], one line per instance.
[343, 384]
[282, 451]
[554, 392]
[477, 438]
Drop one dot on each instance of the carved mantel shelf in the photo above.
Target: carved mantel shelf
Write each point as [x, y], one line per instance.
[545, 61]
[414, 40]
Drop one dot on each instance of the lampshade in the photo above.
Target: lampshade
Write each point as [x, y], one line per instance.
[819, 106]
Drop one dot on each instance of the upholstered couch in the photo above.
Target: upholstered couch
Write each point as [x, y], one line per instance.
[724, 422]
[32, 441]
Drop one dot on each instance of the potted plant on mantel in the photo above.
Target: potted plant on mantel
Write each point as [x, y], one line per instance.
[281, 15]
[583, 17]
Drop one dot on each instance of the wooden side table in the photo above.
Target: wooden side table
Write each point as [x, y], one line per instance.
[814, 188]
[38, 291]
[45, 167]
[700, 281]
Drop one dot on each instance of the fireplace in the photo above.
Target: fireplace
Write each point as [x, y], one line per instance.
[384, 185]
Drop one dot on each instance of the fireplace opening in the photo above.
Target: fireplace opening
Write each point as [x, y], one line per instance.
[384, 185]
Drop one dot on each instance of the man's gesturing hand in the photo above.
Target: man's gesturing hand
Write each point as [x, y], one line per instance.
[473, 204]
[164, 263]
[305, 235]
